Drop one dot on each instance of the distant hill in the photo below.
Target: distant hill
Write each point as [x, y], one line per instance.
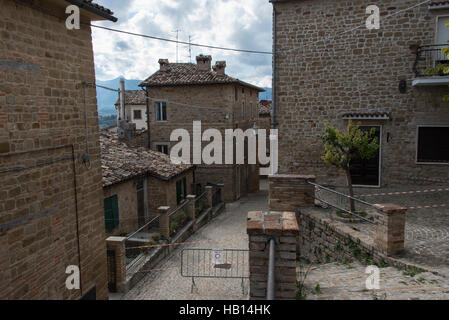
[106, 99]
[265, 95]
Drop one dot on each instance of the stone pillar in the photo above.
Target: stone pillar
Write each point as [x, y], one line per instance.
[283, 228]
[191, 206]
[164, 222]
[389, 228]
[209, 195]
[221, 186]
[117, 244]
[289, 192]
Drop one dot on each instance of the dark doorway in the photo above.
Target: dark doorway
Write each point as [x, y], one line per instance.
[367, 172]
[140, 203]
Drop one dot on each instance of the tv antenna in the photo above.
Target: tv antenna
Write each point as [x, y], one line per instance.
[177, 43]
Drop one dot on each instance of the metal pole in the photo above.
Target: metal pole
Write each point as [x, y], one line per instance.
[274, 78]
[271, 282]
[147, 95]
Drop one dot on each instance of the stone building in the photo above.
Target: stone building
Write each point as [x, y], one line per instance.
[136, 182]
[51, 198]
[181, 93]
[375, 77]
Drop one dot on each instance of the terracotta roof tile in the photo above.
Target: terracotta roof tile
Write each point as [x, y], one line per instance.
[366, 115]
[95, 5]
[133, 97]
[188, 74]
[120, 162]
[265, 107]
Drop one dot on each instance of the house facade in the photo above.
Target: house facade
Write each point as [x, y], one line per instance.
[136, 182]
[180, 93]
[51, 197]
[375, 77]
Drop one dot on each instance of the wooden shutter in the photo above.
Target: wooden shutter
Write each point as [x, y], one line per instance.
[178, 192]
[111, 214]
[184, 182]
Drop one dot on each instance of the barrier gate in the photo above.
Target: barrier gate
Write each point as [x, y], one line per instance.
[215, 264]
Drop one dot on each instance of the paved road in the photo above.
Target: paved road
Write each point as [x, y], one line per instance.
[228, 230]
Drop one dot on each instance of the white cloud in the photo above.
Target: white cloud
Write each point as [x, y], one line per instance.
[227, 23]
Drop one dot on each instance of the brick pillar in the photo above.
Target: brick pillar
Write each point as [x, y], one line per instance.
[389, 226]
[164, 222]
[221, 186]
[261, 227]
[191, 206]
[209, 195]
[117, 244]
[288, 192]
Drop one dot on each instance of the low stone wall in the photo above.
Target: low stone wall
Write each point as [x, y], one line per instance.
[322, 240]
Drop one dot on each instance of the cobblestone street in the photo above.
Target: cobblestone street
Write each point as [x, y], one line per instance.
[226, 231]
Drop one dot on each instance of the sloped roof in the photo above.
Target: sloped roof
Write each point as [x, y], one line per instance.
[177, 74]
[133, 97]
[121, 163]
[95, 8]
[265, 107]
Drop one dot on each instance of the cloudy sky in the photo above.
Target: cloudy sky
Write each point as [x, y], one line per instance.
[226, 23]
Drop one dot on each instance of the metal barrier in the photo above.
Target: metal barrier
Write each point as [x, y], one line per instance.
[429, 56]
[215, 263]
[343, 202]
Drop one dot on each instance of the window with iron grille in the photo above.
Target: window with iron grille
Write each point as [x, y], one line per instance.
[433, 144]
[162, 148]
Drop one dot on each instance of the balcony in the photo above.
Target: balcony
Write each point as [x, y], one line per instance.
[430, 56]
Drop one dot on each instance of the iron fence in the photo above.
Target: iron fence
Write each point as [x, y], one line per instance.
[215, 263]
[201, 204]
[137, 243]
[429, 56]
[348, 208]
[178, 218]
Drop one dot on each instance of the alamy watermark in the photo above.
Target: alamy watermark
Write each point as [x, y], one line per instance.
[189, 150]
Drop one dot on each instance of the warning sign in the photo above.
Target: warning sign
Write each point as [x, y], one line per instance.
[217, 256]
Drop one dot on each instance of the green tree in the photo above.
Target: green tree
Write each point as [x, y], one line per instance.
[342, 148]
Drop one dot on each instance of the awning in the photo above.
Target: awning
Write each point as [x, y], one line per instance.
[366, 116]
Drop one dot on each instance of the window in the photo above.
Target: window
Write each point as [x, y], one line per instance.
[236, 91]
[161, 111]
[111, 216]
[243, 110]
[433, 145]
[251, 110]
[181, 190]
[163, 148]
[137, 114]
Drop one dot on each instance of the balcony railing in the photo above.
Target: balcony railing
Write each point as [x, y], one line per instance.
[429, 56]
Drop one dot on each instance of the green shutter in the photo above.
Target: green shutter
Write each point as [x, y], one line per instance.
[184, 182]
[111, 214]
[178, 192]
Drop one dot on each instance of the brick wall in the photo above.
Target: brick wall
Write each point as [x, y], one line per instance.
[127, 207]
[360, 70]
[41, 106]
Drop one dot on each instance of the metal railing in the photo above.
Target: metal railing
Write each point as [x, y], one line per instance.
[343, 203]
[201, 204]
[429, 56]
[137, 243]
[178, 218]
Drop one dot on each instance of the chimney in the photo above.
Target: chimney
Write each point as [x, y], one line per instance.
[220, 67]
[204, 62]
[164, 64]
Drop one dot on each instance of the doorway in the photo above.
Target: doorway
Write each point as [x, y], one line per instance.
[368, 172]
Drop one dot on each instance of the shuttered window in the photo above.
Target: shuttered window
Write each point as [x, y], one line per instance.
[433, 145]
[184, 185]
[178, 192]
[111, 217]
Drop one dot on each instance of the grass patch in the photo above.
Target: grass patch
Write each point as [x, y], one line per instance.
[412, 272]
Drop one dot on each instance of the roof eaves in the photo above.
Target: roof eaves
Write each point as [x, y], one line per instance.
[95, 9]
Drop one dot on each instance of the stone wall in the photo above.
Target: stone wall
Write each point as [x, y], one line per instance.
[290, 192]
[127, 207]
[319, 80]
[45, 222]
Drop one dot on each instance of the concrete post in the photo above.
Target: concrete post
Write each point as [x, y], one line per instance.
[283, 228]
[164, 222]
[209, 195]
[117, 244]
[289, 192]
[191, 206]
[389, 228]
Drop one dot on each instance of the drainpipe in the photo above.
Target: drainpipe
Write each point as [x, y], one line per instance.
[122, 99]
[274, 77]
[147, 100]
[271, 279]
